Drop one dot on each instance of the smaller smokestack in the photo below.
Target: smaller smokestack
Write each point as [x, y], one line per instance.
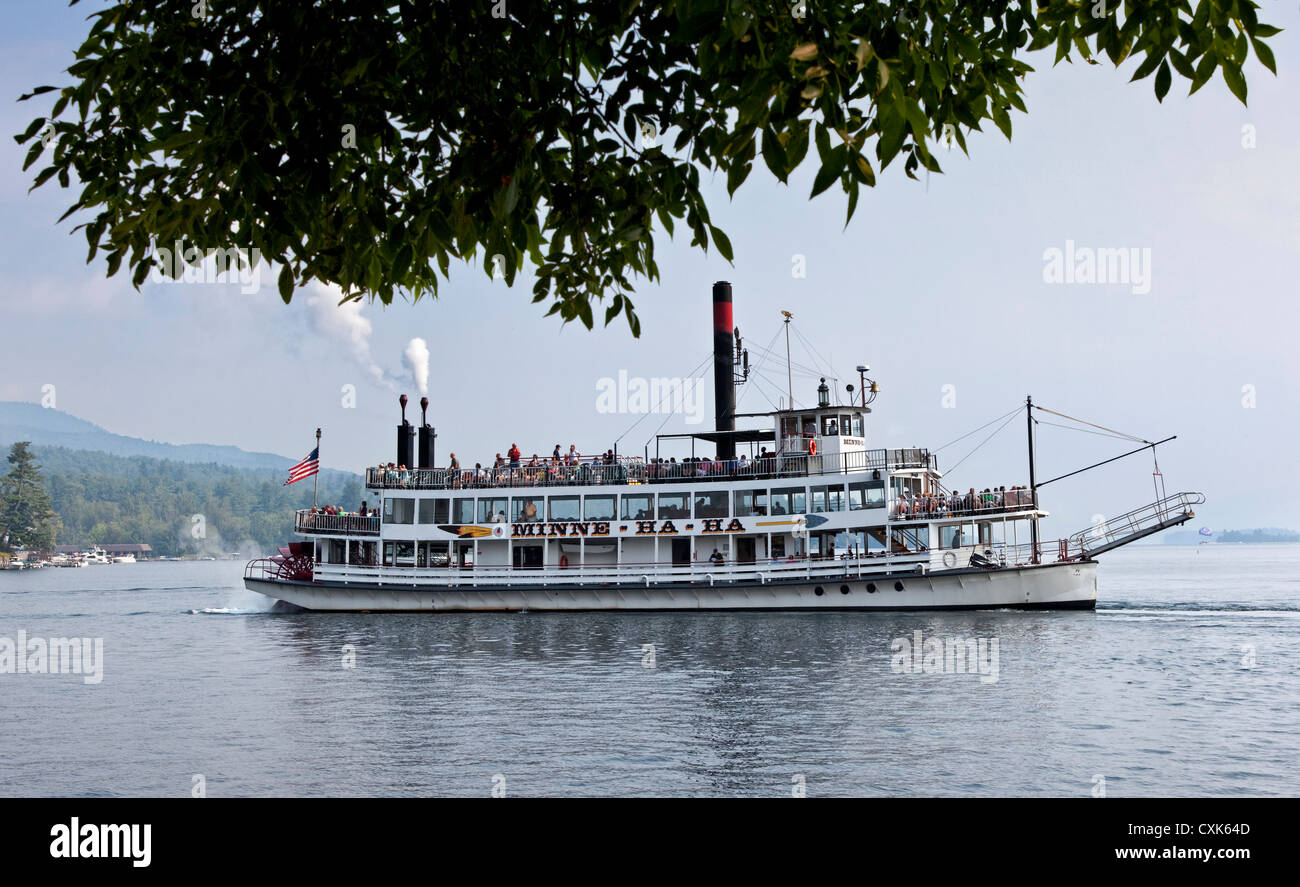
[424, 449]
[405, 438]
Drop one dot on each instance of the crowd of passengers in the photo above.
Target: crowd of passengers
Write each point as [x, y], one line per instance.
[941, 504]
[337, 511]
[511, 468]
[573, 467]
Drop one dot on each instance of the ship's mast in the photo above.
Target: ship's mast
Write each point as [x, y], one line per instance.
[1033, 486]
[315, 479]
[789, 383]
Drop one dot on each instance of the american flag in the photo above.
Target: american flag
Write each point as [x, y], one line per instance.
[305, 469]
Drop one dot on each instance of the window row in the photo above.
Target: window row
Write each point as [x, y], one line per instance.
[636, 506]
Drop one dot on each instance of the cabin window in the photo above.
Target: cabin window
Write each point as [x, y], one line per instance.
[597, 507]
[845, 424]
[493, 510]
[866, 494]
[673, 505]
[778, 546]
[711, 504]
[434, 511]
[525, 510]
[564, 508]
[910, 539]
[857, 425]
[462, 511]
[809, 426]
[828, 498]
[431, 554]
[789, 500]
[751, 502]
[399, 554]
[638, 508]
[830, 426]
[527, 557]
[955, 536]
[399, 511]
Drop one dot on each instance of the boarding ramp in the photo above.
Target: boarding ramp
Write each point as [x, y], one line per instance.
[1139, 523]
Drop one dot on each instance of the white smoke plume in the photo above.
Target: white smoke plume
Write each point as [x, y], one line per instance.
[417, 361]
[347, 325]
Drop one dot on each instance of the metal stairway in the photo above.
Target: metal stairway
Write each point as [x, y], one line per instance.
[1170, 511]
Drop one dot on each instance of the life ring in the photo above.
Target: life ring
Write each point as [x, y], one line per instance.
[564, 562]
[949, 559]
[812, 448]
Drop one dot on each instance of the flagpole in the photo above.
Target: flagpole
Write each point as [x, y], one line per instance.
[315, 480]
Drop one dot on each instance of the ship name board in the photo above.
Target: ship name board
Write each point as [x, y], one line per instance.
[560, 528]
[708, 525]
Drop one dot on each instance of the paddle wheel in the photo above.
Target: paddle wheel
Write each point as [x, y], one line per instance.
[293, 564]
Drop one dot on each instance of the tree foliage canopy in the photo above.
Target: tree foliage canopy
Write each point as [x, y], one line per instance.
[368, 143]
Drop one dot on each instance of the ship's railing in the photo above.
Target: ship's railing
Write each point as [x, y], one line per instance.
[1026, 553]
[336, 524]
[941, 507]
[637, 471]
[1139, 522]
[830, 570]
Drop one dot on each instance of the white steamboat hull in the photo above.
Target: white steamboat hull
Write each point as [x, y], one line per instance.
[1067, 586]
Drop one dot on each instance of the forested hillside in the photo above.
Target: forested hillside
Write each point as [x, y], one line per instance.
[179, 508]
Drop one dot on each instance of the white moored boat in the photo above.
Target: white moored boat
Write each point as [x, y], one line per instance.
[723, 533]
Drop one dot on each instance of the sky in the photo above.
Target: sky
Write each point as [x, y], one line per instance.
[942, 286]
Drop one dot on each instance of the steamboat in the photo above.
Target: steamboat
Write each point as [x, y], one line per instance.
[754, 531]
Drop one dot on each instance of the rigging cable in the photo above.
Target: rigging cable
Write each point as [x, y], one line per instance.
[986, 440]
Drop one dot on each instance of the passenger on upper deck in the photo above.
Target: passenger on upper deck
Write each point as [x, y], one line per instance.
[514, 455]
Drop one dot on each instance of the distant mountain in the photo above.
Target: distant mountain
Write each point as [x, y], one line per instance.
[55, 428]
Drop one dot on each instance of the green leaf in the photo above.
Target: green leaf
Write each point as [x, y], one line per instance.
[1149, 64]
[1002, 119]
[1163, 79]
[32, 129]
[1236, 81]
[826, 177]
[1264, 54]
[774, 154]
[286, 283]
[722, 242]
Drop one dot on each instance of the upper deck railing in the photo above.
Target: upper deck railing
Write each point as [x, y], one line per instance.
[960, 505]
[638, 471]
[341, 524]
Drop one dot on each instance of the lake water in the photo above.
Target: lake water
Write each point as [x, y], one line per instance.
[1185, 682]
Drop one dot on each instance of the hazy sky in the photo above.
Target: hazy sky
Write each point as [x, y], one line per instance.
[935, 283]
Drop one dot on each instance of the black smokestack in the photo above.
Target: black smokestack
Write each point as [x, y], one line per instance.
[405, 438]
[724, 390]
[425, 450]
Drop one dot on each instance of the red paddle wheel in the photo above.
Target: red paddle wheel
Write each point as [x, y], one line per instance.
[293, 564]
